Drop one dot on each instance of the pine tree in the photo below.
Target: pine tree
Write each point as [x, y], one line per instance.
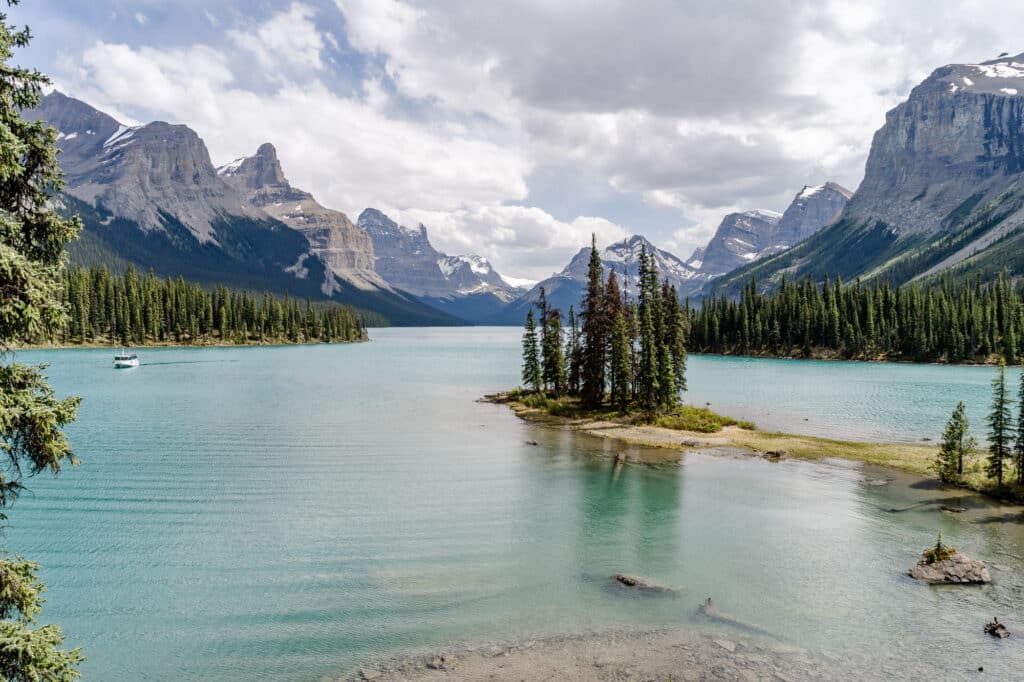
[531, 355]
[32, 240]
[956, 445]
[1000, 423]
[595, 332]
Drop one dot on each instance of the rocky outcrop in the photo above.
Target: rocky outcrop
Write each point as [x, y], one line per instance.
[337, 241]
[957, 569]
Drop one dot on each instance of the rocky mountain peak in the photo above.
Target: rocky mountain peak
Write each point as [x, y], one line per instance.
[812, 208]
[337, 241]
[143, 173]
[258, 171]
[1003, 76]
[739, 239]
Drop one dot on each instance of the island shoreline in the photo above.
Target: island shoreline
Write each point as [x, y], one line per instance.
[914, 459]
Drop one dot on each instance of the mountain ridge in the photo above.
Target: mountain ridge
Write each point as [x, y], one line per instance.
[150, 195]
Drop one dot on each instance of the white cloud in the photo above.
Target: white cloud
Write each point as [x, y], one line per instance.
[524, 240]
[289, 39]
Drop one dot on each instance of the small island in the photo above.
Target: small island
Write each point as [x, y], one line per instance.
[943, 565]
[618, 371]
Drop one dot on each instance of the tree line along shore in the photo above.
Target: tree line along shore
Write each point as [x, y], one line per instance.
[618, 369]
[950, 321]
[130, 309]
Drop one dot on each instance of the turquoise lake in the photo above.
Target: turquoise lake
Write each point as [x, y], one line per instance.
[287, 513]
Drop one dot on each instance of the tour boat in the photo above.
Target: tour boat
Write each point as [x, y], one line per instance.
[126, 359]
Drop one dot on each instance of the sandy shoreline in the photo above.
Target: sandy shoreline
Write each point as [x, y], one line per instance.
[663, 654]
[907, 457]
[678, 653]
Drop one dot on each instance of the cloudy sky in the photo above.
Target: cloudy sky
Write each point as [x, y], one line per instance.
[516, 129]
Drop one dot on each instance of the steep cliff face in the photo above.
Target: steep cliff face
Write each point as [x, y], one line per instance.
[942, 187]
[337, 241]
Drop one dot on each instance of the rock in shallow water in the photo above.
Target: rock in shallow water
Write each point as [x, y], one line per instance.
[958, 569]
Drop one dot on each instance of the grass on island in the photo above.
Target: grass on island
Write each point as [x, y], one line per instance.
[912, 458]
[683, 418]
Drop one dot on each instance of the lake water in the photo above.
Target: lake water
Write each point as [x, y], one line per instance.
[287, 513]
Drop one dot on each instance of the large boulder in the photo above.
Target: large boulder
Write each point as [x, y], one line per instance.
[956, 569]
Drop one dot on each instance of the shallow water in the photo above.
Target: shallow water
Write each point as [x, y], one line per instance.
[287, 513]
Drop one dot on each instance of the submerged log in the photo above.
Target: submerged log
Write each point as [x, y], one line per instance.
[641, 584]
[997, 629]
[708, 610]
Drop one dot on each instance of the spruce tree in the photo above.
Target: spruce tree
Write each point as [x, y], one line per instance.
[531, 355]
[956, 445]
[595, 332]
[573, 354]
[675, 337]
[620, 366]
[32, 240]
[553, 361]
[1000, 423]
[648, 372]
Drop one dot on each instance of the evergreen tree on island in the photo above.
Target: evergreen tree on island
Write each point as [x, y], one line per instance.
[1000, 423]
[573, 354]
[648, 372]
[32, 240]
[618, 345]
[531, 355]
[553, 361]
[595, 332]
[956, 445]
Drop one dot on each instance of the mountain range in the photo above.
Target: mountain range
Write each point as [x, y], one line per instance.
[149, 195]
[943, 190]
